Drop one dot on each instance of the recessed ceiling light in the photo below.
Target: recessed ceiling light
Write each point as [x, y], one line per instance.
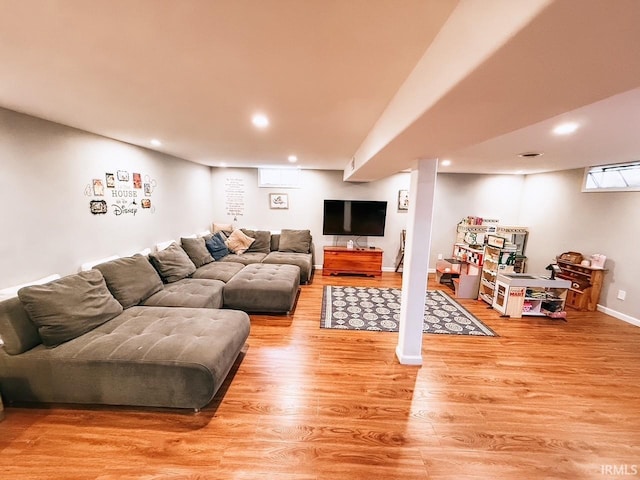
[155, 142]
[292, 158]
[530, 154]
[565, 128]
[445, 163]
[260, 120]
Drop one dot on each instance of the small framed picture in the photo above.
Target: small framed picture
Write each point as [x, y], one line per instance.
[403, 199]
[123, 176]
[98, 207]
[111, 180]
[278, 200]
[137, 180]
[98, 187]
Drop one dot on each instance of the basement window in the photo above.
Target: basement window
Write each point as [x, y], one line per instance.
[279, 177]
[621, 177]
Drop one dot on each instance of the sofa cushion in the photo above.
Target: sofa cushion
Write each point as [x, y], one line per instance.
[223, 271]
[246, 258]
[297, 241]
[131, 280]
[262, 240]
[222, 227]
[238, 242]
[172, 263]
[197, 251]
[217, 246]
[69, 307]
[17, 331]
[189, 292]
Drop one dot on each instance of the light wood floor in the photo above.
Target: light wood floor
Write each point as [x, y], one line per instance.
[545, 400]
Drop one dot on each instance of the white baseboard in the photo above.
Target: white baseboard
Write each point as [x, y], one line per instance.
[619, 316]
[392, 269]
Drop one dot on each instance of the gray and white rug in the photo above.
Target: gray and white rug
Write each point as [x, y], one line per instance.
[378, 309]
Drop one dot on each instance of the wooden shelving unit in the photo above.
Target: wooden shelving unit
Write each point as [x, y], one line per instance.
[586, 284]
[354, 261]
[496, 260]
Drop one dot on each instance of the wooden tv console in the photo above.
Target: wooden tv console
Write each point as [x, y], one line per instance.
[354, 261]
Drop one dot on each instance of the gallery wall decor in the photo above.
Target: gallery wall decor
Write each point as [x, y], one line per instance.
[126, 193]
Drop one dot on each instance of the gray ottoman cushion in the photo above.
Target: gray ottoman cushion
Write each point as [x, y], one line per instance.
[146, 356]
[262, 287]
[223, 271]
[246, 258]
[302, 260]
[189, 292]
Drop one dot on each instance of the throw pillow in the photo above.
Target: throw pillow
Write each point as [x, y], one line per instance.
[222, 227]
[69, 307]
[197, 251]
[172, 263]
[216, 246]
[296, 241]
[131, 280]
[238, 242]
[262, 241]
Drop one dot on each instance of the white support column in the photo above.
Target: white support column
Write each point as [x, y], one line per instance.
[416, 261]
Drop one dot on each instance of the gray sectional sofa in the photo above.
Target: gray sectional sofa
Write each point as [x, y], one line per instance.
[145, 331]
[72, 341]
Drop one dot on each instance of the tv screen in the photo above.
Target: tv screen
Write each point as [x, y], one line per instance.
[354, 217]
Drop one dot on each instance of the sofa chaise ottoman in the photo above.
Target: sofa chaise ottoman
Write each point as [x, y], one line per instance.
[71, 341]
[263, 288]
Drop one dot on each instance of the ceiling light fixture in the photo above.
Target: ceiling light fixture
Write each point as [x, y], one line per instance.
[292, 158]
[445, 163]
[155, 142]
[530, 154]
[260, 120]
[565, 128]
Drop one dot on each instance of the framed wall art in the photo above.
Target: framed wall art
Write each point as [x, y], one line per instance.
[403, 199]
[278, 200]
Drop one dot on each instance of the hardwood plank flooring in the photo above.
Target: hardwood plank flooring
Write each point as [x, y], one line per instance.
[544, 400]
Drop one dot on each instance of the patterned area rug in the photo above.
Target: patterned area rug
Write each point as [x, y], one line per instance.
[378, 309]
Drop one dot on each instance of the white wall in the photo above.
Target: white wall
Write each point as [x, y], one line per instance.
[461, 195]
[565, 219]
[306, 206]
[457, 196]
[46, 223]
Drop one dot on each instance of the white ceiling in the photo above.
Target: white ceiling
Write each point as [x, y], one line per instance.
[326, 72]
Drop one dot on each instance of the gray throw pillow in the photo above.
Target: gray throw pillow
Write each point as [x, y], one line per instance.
[172, 263]
[131, 279]
[296, 241]
[69, 307]
[262, 242]
[197, 251]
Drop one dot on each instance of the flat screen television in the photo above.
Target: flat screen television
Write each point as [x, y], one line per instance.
[354, 217]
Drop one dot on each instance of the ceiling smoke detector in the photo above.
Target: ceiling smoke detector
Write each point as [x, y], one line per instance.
[530, 154]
